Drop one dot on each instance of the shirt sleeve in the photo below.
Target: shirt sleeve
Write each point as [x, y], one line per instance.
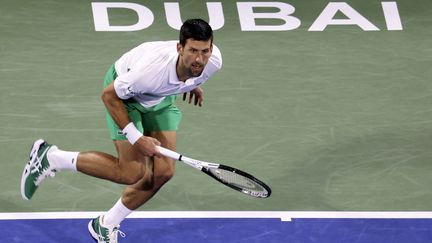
[129, 85]
[216, 58]
[124, 89]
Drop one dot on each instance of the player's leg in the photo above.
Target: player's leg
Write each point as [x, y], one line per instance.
[163, 169]
[156, 171]
[46, 159]
[163, 117]
[119, 170]
[99, 228]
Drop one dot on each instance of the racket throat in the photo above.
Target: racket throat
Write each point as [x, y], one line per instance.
[194, 163]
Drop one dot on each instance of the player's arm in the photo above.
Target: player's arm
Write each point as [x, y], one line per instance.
[114, 105]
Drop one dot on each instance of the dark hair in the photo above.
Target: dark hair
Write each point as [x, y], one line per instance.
[196, 29]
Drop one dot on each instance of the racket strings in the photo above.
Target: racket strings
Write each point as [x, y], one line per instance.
[237, 180]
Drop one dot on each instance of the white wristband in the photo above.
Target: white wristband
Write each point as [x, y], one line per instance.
[132, 133]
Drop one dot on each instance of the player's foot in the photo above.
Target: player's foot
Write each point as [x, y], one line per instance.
[102, 233]
[37, 169]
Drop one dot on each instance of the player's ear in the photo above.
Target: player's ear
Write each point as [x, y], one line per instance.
[179, 49]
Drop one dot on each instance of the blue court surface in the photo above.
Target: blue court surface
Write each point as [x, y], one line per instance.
[225, 227]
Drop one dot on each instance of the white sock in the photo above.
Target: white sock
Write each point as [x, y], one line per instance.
[116, 214]
[62, 160]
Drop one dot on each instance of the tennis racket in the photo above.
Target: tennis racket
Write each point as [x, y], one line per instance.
[229, 176]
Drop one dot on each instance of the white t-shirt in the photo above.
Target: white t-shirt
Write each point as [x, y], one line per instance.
[147, 73]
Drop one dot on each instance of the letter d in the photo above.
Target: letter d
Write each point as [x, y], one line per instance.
[101, 19]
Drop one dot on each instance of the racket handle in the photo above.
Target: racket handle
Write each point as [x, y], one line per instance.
[169, 153]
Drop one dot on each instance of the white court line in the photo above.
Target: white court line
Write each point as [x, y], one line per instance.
[283, 215]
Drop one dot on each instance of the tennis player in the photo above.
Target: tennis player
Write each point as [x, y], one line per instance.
[139, 94]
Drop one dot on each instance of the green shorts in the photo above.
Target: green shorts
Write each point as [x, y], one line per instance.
[164, 116]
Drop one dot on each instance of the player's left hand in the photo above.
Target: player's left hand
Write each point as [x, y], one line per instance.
[197, 94]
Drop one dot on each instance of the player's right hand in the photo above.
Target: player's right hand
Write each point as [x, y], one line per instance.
[147, 146]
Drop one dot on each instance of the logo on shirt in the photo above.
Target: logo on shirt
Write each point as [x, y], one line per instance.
[129, 91]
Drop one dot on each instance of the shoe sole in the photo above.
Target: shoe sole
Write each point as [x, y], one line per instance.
[26, 172]
[92, 233]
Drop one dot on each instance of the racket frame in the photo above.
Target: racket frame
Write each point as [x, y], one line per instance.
[206, 166]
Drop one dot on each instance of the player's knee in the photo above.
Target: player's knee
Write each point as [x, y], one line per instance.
[164, 176]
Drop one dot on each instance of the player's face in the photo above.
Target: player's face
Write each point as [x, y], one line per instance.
[194, 56]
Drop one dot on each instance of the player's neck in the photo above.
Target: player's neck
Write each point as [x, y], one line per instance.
[181, 71]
